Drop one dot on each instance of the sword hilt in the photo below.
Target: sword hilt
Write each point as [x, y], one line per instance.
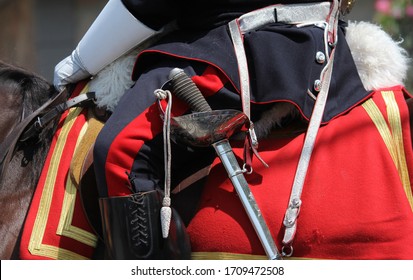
[186, 89]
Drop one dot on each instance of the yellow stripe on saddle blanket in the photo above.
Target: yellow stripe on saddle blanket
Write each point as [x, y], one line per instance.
[83, 156]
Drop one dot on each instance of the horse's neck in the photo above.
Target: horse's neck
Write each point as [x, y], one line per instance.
[11, 111]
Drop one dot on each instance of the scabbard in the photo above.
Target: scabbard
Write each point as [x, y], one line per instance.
[236, 175]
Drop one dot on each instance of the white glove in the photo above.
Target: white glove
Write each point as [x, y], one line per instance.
[69, 70]
[113, 33]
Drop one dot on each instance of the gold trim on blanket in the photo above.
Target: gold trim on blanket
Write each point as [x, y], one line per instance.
[232, 256]
[225, 256]
[65, 228]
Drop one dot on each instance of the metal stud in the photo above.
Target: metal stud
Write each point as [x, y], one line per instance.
[296, 202]
[317, 85]
[320, 57]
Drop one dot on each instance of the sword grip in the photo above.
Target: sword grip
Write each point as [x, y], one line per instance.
[184, 88]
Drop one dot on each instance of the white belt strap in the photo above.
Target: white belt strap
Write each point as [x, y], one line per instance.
[300, 14]
[238, 43]
[290, 14]
[291, 215]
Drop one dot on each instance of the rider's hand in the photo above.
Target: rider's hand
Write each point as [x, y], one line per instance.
[69, 70]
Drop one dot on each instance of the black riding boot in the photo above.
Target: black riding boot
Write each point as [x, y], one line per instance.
[132, 230]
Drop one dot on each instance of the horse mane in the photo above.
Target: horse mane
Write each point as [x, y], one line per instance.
[35, 89]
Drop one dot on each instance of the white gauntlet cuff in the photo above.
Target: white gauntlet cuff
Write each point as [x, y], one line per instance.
[114, 32]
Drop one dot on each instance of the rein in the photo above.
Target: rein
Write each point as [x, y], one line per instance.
[26, 129]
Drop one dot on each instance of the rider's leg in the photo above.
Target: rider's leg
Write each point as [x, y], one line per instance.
[131, 142]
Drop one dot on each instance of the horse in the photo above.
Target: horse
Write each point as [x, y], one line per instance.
[21, 93]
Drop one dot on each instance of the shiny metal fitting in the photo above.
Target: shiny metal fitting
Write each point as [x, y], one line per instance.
[346, 6]
[317, 85]
[320, 57]
[296, 202]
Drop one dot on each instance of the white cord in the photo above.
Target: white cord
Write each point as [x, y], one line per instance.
[166, 211]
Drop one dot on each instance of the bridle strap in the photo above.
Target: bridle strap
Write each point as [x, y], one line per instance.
[10, 141]
[23, 131]
[42, 121]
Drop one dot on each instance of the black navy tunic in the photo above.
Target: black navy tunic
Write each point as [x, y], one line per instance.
[282, 67]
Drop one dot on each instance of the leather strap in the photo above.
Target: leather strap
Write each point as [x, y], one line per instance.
[290, 14]
[10, 141]
[22, 133]
[291, 215]
[41, 122]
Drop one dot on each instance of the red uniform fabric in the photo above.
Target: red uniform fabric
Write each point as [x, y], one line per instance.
[354, 205]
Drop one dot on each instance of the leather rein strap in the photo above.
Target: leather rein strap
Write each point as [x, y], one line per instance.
[27, 129]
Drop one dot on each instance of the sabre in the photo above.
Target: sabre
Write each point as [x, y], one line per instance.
[207, 127]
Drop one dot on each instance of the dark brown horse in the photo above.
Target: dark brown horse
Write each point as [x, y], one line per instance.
[21, 93]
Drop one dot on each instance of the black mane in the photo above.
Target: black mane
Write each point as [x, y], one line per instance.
[35, 89]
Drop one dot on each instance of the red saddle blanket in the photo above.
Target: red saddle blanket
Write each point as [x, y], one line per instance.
[56, 226]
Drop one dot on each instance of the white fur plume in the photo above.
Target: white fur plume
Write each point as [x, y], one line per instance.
[110, 83]
[380, 61]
